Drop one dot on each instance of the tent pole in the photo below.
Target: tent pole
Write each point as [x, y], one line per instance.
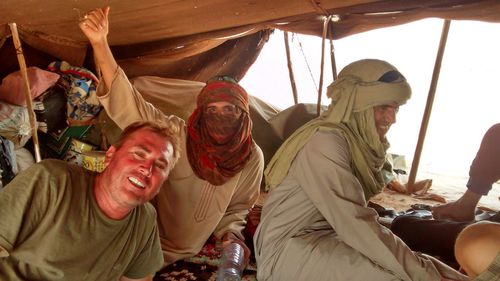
[428, 107]
[290, 69]
[27, 92]
[334, 62]
[320, 88]
[332, 55]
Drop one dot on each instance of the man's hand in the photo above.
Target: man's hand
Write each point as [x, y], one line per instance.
[94, 25]
[397, 186]
[229, 237]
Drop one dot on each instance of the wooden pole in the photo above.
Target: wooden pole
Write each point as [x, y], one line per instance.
[290, 69]
[334, 62]
[320, 90]
[27, 92]
[428, 107]
[332, 55]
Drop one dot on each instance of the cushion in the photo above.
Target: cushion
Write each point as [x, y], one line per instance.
[12, 87]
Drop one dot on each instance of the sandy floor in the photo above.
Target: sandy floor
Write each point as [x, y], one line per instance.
[451, 188]
[400, 202]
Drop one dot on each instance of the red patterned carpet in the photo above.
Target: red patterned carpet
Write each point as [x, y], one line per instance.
[203, 266]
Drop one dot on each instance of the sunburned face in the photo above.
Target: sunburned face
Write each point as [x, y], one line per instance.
[385, 116]
[138, 168]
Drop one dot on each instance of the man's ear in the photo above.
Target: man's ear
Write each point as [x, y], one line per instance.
[109, 155]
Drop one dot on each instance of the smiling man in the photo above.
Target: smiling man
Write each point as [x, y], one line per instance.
[385, 116]
[59, 221]
[315, 223]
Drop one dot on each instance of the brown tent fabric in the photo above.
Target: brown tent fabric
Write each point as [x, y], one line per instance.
[195, 40]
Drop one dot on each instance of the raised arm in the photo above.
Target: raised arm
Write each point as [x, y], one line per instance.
[122, 102]
[95, 26]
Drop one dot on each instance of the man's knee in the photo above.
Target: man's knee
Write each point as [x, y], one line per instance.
[477, 246]
[400, 224]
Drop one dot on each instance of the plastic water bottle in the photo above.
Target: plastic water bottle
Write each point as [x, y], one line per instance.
[231, 265]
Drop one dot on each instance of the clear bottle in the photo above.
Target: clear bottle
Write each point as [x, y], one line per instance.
[232, 263]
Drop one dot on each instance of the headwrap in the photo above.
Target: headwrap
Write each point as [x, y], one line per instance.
[214, 159]
[354, 94]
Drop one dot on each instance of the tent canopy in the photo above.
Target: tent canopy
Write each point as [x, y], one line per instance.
[196, 39]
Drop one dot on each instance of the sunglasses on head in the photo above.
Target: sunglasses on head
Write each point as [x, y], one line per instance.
[224, 78]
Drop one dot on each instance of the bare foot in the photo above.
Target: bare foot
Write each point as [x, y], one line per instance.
[453, 211]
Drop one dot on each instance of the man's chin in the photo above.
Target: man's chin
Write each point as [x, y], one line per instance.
[134, 199]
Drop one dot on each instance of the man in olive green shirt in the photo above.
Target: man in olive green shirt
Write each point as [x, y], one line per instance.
[59, 221]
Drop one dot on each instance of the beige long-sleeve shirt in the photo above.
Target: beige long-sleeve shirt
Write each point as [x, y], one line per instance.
[315, 225]
[189, 209]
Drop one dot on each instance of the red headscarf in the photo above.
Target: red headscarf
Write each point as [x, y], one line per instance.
[218, 146]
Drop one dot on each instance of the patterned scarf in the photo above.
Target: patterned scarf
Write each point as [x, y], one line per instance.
[219, 145]
[354, 94]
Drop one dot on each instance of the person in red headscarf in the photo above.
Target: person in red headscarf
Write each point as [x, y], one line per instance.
[217, 179]
[219, 130]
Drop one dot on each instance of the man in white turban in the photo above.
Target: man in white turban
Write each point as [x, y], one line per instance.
[315, 224]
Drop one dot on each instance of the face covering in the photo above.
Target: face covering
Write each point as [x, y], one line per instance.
[219, 145]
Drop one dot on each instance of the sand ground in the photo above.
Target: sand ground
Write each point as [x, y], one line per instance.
[449, 187]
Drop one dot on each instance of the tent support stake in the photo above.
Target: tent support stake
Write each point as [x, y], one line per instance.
[332, 53]
[27, 92]
[320, 87]
[428, 107]
[290, 69]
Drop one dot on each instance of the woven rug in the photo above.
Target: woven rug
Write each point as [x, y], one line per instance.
[203, 266]
[187, 270]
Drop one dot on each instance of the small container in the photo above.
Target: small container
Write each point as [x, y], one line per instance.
[94, 160]
[75, 151]
[232, 263]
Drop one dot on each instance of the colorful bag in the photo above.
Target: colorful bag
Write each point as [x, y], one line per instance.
[83, 104]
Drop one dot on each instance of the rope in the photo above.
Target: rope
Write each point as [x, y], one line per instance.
[307, 64]
[317, 6]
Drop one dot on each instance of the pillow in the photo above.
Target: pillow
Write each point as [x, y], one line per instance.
[12, 87]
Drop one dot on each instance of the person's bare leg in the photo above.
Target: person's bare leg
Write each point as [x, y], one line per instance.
[477, 246]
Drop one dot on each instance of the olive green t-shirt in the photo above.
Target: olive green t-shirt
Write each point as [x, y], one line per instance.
[51, 228]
